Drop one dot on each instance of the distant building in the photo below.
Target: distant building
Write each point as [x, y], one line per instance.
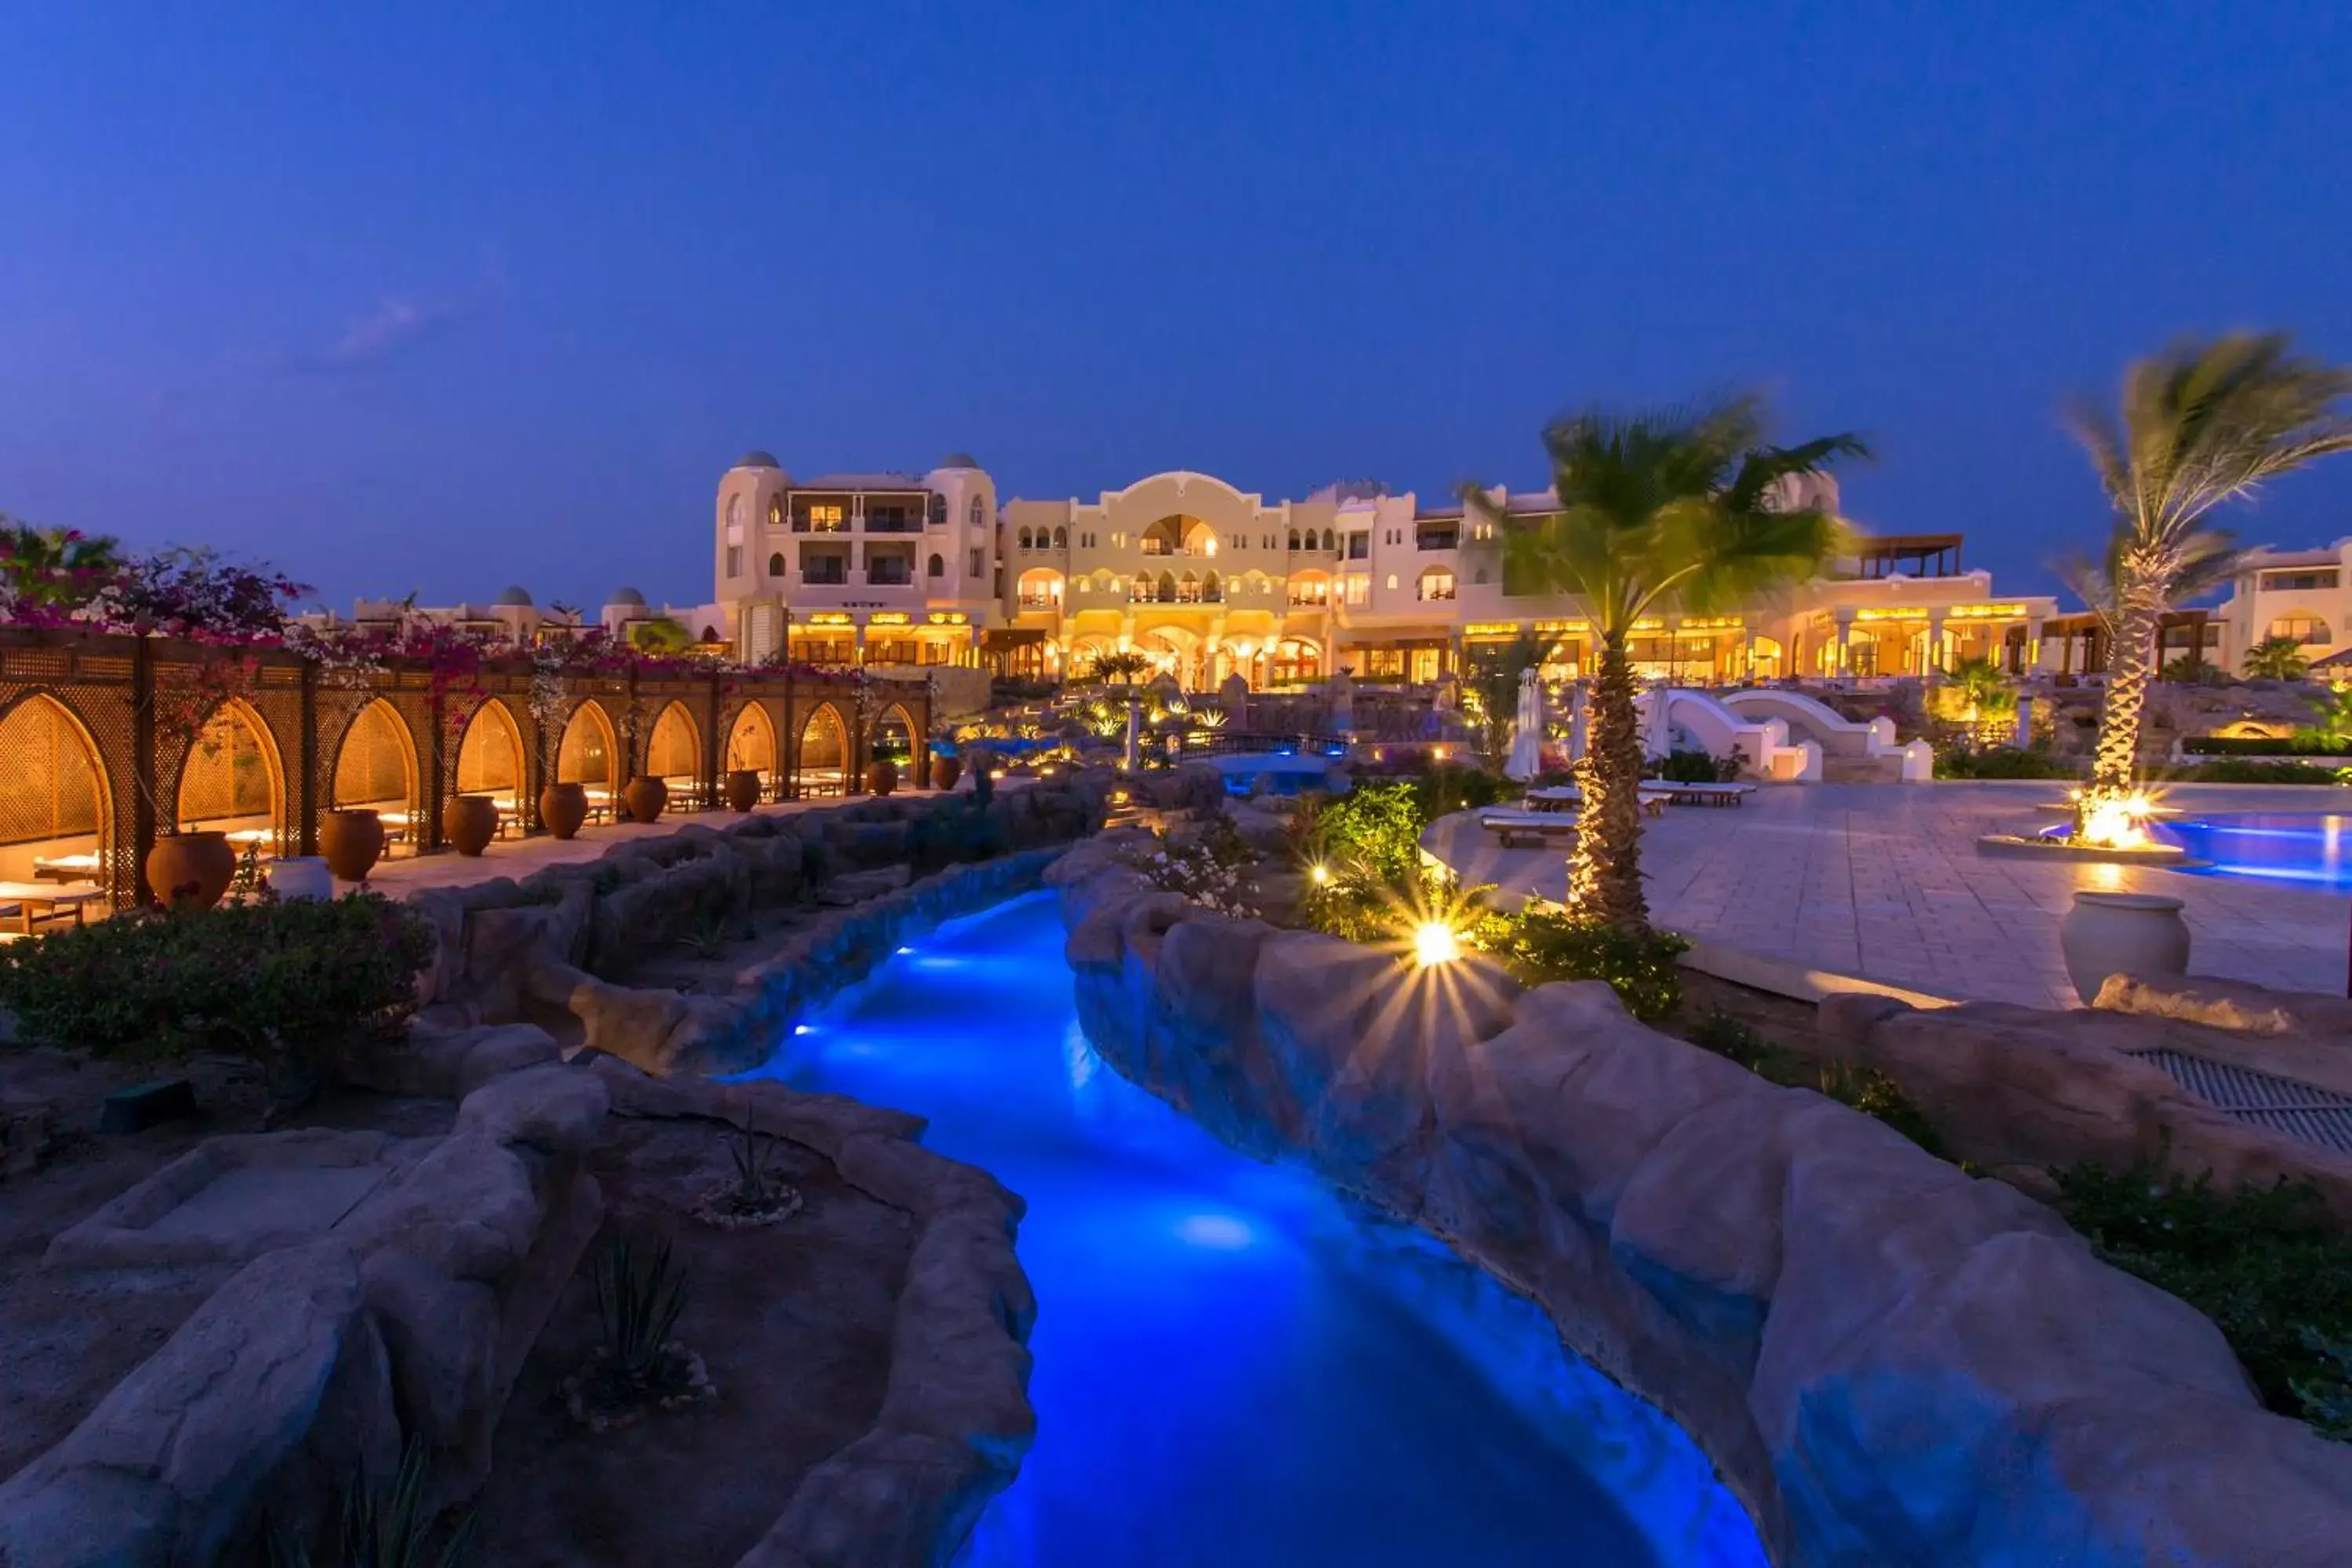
[2299, 595]
[514, 618]
[1211, 581]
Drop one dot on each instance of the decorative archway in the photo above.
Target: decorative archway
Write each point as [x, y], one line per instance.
[824, 752]
[752, 743]
[55, 808]
[490, 757]
[1298, 660]
[232, 779]
[376, 770]
[894, 735]
[674, 749]
[585, 752]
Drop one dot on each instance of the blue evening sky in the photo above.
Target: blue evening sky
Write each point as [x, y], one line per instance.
[445, 295]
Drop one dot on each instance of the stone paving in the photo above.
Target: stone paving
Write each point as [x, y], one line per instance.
[1884, 881]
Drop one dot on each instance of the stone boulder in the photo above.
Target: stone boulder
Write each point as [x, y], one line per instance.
[2234, 1005]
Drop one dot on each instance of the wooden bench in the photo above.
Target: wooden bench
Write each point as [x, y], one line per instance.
[31, 903]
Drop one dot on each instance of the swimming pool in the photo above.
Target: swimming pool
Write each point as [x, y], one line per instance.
[1233, 1367]
[1283, 773]
[2316, 851]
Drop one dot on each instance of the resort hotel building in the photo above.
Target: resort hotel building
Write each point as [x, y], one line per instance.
[1210, 582]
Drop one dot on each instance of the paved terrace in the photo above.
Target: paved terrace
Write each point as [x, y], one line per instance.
[520, 857]
[1884, 881]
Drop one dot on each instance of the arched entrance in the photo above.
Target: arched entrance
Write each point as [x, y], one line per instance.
[1298, 660]
[752, 743]
[674, 753]
[824, 766]
[587, 754]
[231, 780]
[376, 770]
[489, 759]
[894, 739]
[56, 813]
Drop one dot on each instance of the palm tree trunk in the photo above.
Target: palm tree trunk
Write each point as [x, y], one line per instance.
[2130, 667]
[1604, 869]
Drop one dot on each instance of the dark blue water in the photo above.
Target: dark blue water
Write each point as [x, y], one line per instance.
[2316, 851]
[1233, 1369]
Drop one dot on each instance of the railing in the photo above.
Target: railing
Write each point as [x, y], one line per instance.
[1174, 596]
[825, 579]
[893, 524]
[888, 579]
[1153, 547]
[807, 525]
[1448, 540]
[1038, 602]
[1243, 742]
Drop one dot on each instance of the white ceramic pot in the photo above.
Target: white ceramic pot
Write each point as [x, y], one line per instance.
[2122, 933]
[301, 877]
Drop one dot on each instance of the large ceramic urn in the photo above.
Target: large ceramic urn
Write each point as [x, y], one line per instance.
[470, 822]
[646, 796]
[562, 807]
[351, 843]
[2122, 933]
[743, 789]
[945, 771]
[881, 775]
[191, 870]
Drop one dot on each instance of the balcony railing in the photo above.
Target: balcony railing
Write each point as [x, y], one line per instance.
[1174, 596]
[825, 577]
[889, 577]
[1038, 602]
[1437, 539]
[893, 524]
[1156, 547]
[826, 525]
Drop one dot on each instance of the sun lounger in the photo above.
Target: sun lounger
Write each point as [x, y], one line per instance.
[27, 904]
[1708, 794]
[1513, 829]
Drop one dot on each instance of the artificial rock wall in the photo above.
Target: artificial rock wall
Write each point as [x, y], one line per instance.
[1888, 1360]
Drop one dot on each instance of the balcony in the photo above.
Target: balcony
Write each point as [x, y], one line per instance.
[889, 575]
[1039, 602]
[825, 574]
[892, 522]
[1437, 539]
[1160, 547]
[1157, 595]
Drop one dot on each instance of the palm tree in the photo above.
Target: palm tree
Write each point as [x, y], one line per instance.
[1982, 683]
[1682, 507]
[1493, 685]
[2199, 425]
[2276, 658]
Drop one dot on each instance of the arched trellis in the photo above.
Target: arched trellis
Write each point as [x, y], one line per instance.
[488, 751]
[373, 765]
[588, 748]
[229, 775]
[822, 759]
[56, 801]
[673, 748]
[752, 743]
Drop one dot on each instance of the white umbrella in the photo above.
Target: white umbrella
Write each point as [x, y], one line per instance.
[1661, 739]
[1526, 744]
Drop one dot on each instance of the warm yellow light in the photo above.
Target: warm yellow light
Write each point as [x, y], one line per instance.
[1435, 942]
[1437, 752]
[1320, 874]
[2114, 822]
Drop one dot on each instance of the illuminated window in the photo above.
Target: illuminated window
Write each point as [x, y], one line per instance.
[1356, 588]
[2301, 628]
[1437, 583]
[826, 518]
[979, 513]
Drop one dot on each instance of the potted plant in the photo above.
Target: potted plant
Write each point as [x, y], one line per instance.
[192, 869]
[881, 775]
[645, 797]
[562, 807]
[470, 822]
[352, 842]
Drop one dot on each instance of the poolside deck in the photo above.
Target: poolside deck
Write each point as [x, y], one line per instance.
[1883, 882]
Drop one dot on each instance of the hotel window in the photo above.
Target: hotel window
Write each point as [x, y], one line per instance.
[776, 511]
[2301, 628]
[979, 561]
[1436, 582]
[2296, 581]
[938, 567]
[939, 510]
[1392, 582]
[734, 561]
[776, 564]
[1315, 591]
[1359, 545]
[1388, 661]
[1356, 588]
[826, 518]
[979, 513]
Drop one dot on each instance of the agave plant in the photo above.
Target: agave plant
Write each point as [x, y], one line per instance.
[638, 1305]
[390, 1526]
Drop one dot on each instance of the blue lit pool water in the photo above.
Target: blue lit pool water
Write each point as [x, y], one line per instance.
[1233, 1368]
[2316, 851]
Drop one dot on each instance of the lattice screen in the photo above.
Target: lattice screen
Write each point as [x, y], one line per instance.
[752, 742]
[823, 740]
[373, 769]
[489, 758]
[585, 754]
[226, 775]
[48, 784]
[672, 752]
[894, 735]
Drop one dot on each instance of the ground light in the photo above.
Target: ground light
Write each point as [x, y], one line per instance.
[1320, 874]
[2113, 821]
[1435, 942]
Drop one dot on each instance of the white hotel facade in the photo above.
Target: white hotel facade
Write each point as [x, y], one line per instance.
[1211, 581]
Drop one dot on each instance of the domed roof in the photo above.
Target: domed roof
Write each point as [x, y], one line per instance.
[512, 596]
[958, 460]
[626, 597]
[756, 459]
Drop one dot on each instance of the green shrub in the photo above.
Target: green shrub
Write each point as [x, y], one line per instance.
[288, 981]
[1374, 832]
[2266, 1264]
[2302, 744]
[1700, 767]
[1962, 762]
[1541, 945]
[1449, 787]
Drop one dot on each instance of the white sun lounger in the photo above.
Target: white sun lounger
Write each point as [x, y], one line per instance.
[1513, 828]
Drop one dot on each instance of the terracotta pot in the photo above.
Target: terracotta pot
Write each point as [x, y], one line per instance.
[881, 775]
[470, 822]
[300, 877]
[743, 789]
[646, 796]
[945, 771]
[191, 870]
[352, 842]
[2122, 933]
[562, 807]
